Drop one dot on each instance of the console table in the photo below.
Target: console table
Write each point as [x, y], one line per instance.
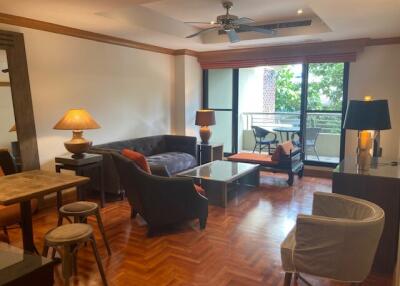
[207, 153]
[380, 185]
[80, 166]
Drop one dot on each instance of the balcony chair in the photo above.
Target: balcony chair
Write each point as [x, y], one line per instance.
[260, 137]
[338, 241]
[10, 215]
[160, 200]
[311, 140]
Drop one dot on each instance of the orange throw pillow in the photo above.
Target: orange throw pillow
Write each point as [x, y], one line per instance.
[138, 158]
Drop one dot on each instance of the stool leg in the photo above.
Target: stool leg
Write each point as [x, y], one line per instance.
[103, 233]
[67, 262]
[45, 250]
[60, 220]
[98, 260]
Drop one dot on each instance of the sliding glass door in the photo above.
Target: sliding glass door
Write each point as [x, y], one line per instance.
[324, 112]
[304, 103]
[220, 97]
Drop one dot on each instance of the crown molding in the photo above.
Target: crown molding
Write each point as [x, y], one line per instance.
[64, 30]
[383, 41]
[185, 52]
[246, 53]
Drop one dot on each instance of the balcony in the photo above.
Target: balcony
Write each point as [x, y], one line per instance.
[327, 125]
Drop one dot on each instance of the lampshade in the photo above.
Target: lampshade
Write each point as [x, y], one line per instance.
[367, 115]
[205, 117]
[76, 119]
[13, 128]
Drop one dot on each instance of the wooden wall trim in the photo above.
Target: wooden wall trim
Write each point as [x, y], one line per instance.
[64, 30]
[345, 50]
[383, 41]
[4, 83]
[186, 52]
[319, 48]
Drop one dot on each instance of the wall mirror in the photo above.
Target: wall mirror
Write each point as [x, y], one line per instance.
[17, 125]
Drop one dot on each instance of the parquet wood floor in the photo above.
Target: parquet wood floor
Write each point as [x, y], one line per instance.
[240, 245]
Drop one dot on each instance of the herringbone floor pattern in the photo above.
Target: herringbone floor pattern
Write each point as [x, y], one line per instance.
[240, 245]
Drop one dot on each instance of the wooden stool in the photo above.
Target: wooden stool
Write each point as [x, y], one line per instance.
[70, 237]
[80, 211]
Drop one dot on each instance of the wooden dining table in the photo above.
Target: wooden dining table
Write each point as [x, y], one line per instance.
[23, 187]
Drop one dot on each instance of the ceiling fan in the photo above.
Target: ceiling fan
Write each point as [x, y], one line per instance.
[231, 24]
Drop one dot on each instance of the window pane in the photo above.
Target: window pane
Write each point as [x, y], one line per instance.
[222, 130]
[325, 86]
[220, 88]
[322, 137]
[270, 98]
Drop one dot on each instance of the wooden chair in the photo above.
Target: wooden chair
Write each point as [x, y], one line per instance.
[10, 215]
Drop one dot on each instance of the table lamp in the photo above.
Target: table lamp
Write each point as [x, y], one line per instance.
[77, 120]
[204, 119]
[365, 116]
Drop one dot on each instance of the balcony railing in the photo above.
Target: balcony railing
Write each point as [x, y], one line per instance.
[330, 123]
[327, 145]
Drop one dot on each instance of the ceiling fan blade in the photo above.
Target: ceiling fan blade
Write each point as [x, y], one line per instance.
[243, 20]
[206, 23]
[246, 28]
[202, 31]
[233, 36]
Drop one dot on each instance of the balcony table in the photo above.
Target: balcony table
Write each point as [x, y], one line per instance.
[22, 187]
[286, 130]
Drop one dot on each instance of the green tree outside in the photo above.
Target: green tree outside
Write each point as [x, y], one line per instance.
[325, 84]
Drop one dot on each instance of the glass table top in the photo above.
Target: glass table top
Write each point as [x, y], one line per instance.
[223, 171]
[15, 263]
[386, 167]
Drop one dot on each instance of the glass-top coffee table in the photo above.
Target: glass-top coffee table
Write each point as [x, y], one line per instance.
[216, 176]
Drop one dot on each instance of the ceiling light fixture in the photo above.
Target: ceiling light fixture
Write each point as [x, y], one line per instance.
[300, 11]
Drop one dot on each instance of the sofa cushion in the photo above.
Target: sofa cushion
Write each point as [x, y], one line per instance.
[138, 158]
[175, 162]
[253, 158]
[282, 149]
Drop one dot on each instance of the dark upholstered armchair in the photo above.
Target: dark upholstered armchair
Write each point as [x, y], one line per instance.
[160, 200]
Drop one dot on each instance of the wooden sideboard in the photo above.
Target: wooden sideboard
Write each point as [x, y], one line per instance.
[380, 185]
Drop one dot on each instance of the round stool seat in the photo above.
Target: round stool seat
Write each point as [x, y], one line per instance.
[68, 233]
[81, 207]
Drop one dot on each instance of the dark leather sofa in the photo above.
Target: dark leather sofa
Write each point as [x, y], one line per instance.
[166, 154]
[160, 201]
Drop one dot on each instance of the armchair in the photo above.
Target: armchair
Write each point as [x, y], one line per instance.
[338, 241]
[160, 200]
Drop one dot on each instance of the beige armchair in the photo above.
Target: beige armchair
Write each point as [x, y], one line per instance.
[338, 241]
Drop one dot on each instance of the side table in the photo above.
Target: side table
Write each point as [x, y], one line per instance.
[79, 166]
[207, 153]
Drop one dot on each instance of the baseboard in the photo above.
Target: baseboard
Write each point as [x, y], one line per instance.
[318, 172]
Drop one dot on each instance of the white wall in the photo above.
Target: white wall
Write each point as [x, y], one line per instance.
[376, 73]
[128, 91]
[188, 94]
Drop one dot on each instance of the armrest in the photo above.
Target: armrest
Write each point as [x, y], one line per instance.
[340, 249]
[340, 206]
[171, 198]
[178, 143]
[160, 170]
